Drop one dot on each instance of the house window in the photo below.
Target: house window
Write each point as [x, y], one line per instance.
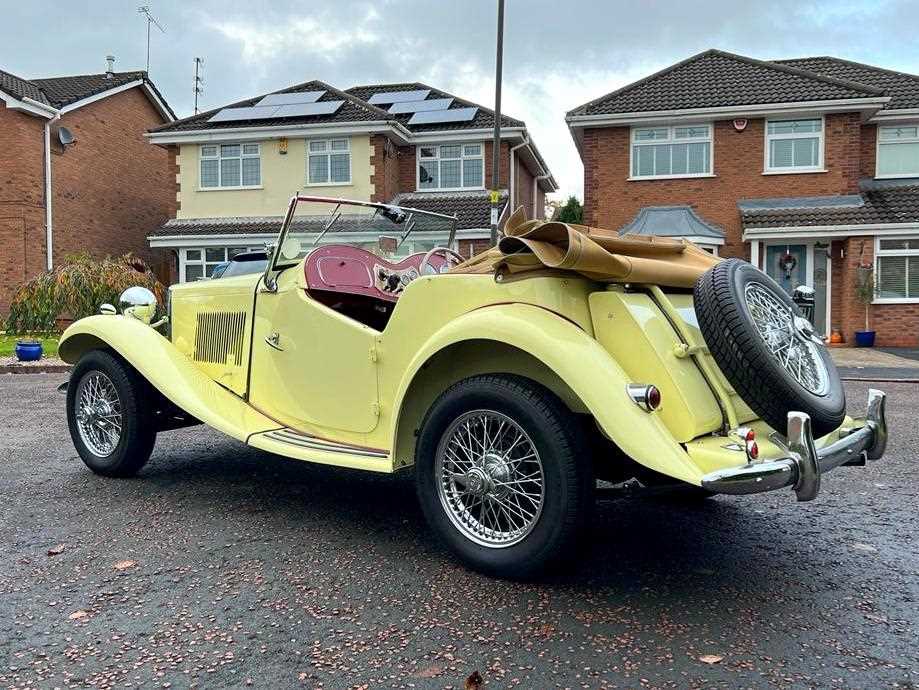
[897, 270]
[200, 262]
[681, 151]
[898, 151]
[329, 162]
[794, 145]
[451, 166]
[230, 165]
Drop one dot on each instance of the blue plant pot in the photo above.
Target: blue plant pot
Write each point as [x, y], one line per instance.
[864, 338]
[28, 352]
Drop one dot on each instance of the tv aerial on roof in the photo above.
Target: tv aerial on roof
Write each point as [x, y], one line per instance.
[145, 10]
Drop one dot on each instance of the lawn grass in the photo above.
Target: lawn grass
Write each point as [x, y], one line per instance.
[8, 345]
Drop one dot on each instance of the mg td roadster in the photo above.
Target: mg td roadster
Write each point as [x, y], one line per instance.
[510, 382]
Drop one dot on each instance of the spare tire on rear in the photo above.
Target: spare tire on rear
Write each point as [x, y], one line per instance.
[767, 350]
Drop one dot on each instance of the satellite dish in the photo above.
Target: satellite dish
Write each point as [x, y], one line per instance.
[65, 136]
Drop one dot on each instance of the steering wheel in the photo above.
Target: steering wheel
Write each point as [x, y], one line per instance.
[448, 254]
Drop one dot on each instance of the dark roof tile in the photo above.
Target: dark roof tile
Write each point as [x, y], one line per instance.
[903, 88]
[718, 79]
[898, 204]
[63, 91]
[20, 88]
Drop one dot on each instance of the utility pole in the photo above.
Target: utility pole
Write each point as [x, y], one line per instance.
[199, 81]
[496, 145]
[145, 10]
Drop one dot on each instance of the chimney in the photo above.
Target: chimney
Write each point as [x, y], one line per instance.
[110, 66]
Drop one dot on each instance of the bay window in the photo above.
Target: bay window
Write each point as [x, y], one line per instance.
[794, 145]
[896, 272]
[898, 151]
[451, 166]
[328, 162]
[230, 165]
[679, 151]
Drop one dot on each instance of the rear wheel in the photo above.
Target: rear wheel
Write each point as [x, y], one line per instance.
[109, 415]
[501, 475]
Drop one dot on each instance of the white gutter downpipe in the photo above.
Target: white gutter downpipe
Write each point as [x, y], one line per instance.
[49, 227]
[512, 196]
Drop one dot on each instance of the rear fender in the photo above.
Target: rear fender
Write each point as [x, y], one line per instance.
[578, 360]
[168, 370]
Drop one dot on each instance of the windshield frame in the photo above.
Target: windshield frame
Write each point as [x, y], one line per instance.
[275, 264]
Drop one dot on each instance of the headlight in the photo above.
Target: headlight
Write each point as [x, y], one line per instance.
[138, 302]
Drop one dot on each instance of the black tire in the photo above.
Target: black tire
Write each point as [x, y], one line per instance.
[745, 358]
[568, 481]
[137, 437]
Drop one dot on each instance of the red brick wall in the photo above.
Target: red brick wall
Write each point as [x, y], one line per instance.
[22, 208]
[407, 175]
[112, 186]
[386, 169]
[523, 184]
[869, 150]
[611, 200]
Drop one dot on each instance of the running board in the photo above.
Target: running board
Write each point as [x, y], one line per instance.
[293, 444]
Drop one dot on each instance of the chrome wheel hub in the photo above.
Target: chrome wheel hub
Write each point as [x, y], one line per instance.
[489, 478]
[98, 413]
[790, 338]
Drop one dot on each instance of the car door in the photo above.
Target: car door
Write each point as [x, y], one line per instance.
[312, 368]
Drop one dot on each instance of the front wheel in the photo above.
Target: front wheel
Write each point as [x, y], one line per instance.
[502, 475]
[108, 412]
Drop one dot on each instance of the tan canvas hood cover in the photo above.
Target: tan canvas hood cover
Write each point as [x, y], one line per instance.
[596, 253]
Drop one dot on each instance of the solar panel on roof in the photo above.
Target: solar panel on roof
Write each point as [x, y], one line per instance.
[431, 117]
[273, 112]
[304, 109]
[291, 98]
[388, 97]
[420, 106]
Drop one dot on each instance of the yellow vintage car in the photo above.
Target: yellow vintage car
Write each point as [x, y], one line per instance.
[511, 383]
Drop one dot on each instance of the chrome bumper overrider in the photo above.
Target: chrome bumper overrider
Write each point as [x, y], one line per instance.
[804, 464]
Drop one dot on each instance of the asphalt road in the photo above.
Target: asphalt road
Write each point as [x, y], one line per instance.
[249, 569]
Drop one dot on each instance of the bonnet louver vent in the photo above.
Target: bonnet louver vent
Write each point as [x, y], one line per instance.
[220, 337]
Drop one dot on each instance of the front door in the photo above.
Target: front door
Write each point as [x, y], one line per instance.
[312, 368]
[791, 265]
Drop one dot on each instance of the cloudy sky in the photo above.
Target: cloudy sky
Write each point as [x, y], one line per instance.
[558, 54]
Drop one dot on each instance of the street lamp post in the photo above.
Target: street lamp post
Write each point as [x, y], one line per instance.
[496, 145]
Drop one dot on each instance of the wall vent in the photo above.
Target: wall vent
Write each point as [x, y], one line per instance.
[220, 336]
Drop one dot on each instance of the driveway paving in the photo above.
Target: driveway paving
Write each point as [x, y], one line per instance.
[222, 566]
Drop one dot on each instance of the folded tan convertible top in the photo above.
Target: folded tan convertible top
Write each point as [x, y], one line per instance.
[599, 254]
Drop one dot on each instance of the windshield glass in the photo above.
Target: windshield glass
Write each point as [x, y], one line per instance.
[386, 230]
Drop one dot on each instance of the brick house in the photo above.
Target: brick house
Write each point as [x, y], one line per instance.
[806, 167]
[236, 167]
[100, 192]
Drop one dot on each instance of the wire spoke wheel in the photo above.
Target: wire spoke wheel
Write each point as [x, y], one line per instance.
[790, 339]
[490, 478]
[98, 413]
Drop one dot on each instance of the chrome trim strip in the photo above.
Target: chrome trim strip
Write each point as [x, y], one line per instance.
[804, 466]
[294, 438]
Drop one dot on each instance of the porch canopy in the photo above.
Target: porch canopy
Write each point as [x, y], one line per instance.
[597, 253]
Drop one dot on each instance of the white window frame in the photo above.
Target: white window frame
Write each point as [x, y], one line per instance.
[877, 150]
[184, 261]
[328, 153]
[669, 141]
[878, 252]
[241, 145]
[821, 153]
[463, 157]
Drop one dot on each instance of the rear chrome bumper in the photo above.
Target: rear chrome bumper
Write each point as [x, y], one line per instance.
[804, 464]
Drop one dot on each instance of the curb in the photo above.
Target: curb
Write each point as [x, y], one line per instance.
[38, 369]
[877, 380]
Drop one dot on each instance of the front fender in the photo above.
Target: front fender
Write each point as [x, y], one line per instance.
[582, 364]
[167, 369]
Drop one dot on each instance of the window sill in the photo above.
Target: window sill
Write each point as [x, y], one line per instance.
[896, 300]
[669, 177]
[897, 177]
[349, 183]
[802, 171]
[229, 189]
